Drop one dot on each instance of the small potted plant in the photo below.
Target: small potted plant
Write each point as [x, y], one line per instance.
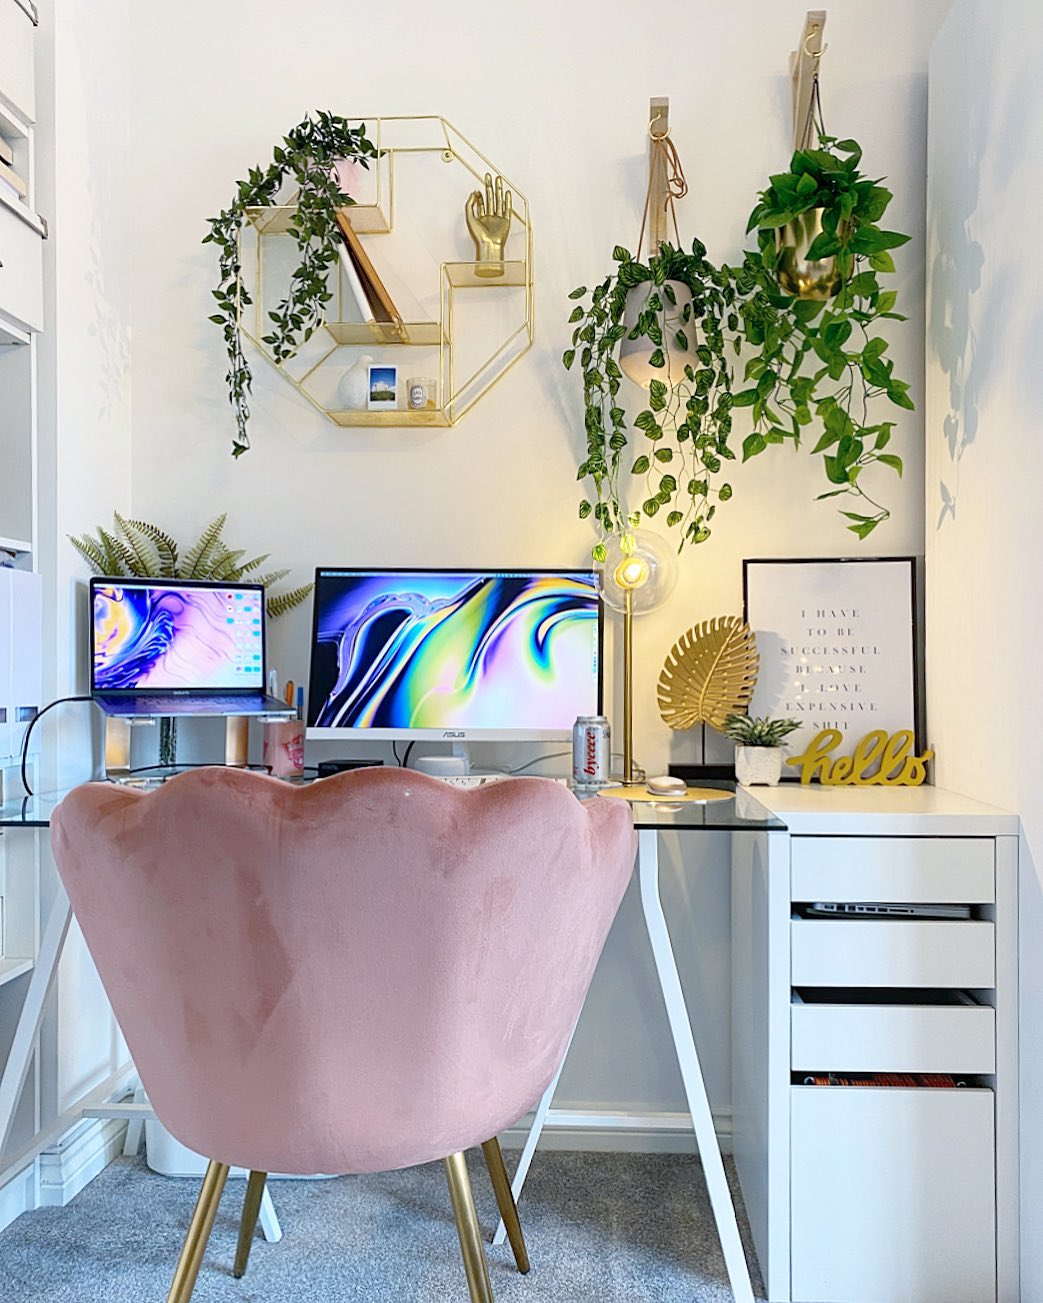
[758, 747]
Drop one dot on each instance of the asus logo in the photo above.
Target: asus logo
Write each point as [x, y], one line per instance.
[454, 732]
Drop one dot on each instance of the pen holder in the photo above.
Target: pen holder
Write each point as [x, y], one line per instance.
[283, 753]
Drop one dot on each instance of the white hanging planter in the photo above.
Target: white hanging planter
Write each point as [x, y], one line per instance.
[674, 316]
[758, 765]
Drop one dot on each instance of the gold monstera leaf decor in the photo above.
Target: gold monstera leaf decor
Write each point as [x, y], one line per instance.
[710, 674]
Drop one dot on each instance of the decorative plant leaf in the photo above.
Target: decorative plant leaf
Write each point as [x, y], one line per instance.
[710, 673]
[141, 549]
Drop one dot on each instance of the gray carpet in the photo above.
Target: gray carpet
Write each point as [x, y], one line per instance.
[604, 1227]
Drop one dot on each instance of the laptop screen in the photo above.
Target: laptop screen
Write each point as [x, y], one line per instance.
[176, 635]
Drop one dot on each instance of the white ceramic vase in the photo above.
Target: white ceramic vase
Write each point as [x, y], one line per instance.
[634, 354]
[758, 765]
[353, 389]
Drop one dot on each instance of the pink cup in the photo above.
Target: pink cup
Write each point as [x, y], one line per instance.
[283, 754]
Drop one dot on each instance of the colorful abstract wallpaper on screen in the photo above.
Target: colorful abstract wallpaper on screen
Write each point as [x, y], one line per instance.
[156, 638]
[419, 650]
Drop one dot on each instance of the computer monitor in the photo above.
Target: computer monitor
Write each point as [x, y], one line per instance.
[454, 655]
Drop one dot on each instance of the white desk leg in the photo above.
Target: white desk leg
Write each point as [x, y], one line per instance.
[532, 1140]
[270, 1227]
[40, 983]
[135, 1126]
[691, 1072]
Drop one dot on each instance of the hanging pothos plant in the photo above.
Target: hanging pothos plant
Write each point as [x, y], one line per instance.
[306, 158]
[820, 362]
[815, 362]
[687, 421]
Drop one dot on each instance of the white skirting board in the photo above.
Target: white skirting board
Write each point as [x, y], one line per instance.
[620, 1133]
[61, 1172]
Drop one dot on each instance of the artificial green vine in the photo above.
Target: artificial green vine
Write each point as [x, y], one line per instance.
[820, 361]
[307, 156]
[688, 418]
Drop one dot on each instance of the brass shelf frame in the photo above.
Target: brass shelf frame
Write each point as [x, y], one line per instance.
[395, 137]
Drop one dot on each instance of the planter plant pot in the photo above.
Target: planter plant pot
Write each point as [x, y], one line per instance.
[758, 765]
[815, 278]
[674, 316]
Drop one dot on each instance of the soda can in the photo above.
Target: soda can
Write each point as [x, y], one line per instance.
[591, 751]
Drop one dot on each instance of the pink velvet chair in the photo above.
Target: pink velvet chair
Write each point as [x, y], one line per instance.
[367, 973]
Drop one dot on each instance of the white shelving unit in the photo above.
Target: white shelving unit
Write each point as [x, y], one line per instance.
[858, 1194]
[22, 232]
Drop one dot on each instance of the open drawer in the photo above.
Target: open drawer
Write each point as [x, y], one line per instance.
[905, 952]
[893, 1195]
[934, 1031]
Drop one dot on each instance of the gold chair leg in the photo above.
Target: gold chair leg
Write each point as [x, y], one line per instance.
[471, 1246]
[199, 1229]
[248, 1221]
[505, 1201]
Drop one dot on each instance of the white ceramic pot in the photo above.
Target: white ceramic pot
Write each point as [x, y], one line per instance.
[758, 765]
[673, 317]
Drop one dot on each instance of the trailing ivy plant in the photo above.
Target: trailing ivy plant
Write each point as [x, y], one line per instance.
[823, 364]
[687, 422]
[306, 157]
[137, 547]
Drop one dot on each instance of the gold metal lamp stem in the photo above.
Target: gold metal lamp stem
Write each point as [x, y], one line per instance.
[628, 685]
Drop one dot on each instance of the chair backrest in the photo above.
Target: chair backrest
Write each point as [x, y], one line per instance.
[369, 972]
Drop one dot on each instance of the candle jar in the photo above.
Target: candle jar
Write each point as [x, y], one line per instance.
[422, 394]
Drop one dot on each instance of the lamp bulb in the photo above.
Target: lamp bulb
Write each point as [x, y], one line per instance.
[632, 572]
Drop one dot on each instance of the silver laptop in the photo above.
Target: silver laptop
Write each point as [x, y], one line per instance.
[179, 647]
[860, 909]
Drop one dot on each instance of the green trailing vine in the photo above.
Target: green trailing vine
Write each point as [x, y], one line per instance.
[306, 157]
[822, 363]
[139, 548]
[806, 363]
[687, 421]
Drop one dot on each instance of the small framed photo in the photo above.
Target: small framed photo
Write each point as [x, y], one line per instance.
[839, 644]
[382, 391]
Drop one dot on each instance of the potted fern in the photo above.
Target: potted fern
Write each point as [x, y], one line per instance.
[758, 747]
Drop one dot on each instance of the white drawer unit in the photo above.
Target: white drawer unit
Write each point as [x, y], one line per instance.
[872, 1188]
[893, 1038]
[893, 1196]
[924, 870]
[21, 269]
[17, 83]
[902, 952]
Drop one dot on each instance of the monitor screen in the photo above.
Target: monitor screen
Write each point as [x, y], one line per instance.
[454, 654]
[158, 635]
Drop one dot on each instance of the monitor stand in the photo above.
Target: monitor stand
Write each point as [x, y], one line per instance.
[446, 765]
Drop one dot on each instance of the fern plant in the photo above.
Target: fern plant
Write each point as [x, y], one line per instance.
[749, 732]
[141, 549]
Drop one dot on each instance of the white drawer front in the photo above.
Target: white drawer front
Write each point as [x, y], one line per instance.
[21, 270]
[893, 1038]
[907, 952]
[893, 1196]
[916, 869]
[17, 84]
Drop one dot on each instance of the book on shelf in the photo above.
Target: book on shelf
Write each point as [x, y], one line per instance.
[937, 1080]
[354, 284]
[11, 178]
[381, 304]
[6, 152]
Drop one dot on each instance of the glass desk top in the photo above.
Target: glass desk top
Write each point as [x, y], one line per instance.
[740, 812]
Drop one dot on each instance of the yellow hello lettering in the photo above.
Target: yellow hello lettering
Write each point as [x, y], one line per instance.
[879, 760]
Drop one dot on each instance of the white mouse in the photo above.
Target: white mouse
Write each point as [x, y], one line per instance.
[666, 785]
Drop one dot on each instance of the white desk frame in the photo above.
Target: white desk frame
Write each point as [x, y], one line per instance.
[647, 869]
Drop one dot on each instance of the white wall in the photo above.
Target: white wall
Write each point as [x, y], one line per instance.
[984, 531]
[557, 95]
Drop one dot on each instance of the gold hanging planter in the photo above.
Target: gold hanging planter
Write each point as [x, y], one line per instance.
[804, 277]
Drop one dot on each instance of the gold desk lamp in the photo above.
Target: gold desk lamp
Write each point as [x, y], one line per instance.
[638, 574]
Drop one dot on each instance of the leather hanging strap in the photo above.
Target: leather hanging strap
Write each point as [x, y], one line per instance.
[665, 163]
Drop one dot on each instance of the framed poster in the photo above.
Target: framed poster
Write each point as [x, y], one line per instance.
[839, 645]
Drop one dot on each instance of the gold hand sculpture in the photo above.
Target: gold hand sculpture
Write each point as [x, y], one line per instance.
[489, 221]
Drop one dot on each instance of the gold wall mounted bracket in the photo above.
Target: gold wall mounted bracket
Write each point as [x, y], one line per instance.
[804, 65]
[659, 197]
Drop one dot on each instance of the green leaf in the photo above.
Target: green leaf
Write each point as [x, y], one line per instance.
[889, 459]
[752, 445]
[657, 359]
[724, 492]
[575, 315]
[584, 510]
[745, 398]
[578, 294]
[567, 358]
[640, 466]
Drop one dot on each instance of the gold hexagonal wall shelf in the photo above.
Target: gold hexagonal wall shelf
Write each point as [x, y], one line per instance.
[461, 329]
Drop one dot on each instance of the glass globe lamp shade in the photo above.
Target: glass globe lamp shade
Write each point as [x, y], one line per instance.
[639, 562]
